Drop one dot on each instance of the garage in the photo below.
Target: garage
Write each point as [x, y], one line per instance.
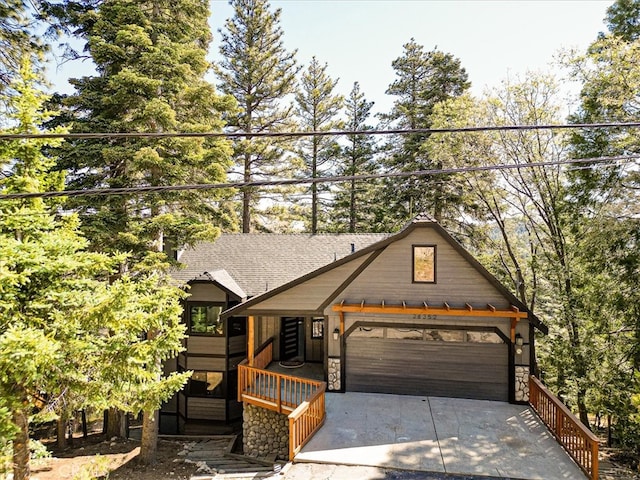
[427, 361]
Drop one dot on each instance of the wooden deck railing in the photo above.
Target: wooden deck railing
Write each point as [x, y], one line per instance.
[264, 355]
[305, 420]
[301, 398]
[578, 441]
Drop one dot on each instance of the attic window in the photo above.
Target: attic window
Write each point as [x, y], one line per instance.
[424, 264]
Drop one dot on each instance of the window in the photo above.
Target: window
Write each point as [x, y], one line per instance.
[424, 264]
[207, 384]
[317, 328]
[205, 320]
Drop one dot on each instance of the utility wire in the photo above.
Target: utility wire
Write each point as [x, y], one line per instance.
[329, 133]
[306, 181]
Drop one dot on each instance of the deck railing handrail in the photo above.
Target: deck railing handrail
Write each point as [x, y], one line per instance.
[577, 439]
[275, 391]
[264, 354]
[305, 420]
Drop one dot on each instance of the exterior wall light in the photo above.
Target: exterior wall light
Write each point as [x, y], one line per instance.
[336, 333]
[519, 343]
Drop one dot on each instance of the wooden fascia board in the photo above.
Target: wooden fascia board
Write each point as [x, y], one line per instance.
[427, 310]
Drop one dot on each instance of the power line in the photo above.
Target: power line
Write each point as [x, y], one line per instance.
[397, 131]
[306, 181]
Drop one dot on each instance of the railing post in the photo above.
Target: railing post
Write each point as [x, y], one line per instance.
[279, 396]
[595, 467]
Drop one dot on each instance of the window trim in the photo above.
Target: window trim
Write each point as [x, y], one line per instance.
[188, 307]
[435, 263]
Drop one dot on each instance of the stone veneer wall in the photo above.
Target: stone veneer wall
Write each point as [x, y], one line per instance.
[265, 432]
[334, 374]
[522, 384]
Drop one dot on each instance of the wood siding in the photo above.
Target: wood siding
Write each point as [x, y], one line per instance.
[237, 344]
[206, 408]
[206, 345]
[205, 292]
[267, 327]
[311, 294]
[463, 370]
[390, 277]
[171, 405]
[207, 364]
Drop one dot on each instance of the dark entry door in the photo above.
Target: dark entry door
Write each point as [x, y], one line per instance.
[290, 338]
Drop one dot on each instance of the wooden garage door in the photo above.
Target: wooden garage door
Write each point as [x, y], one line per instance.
[430, 368]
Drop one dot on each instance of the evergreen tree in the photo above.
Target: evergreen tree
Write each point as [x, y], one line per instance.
[151, 62]
[150, 56]
[318, 107]
[18, 39]
[58, 342]
[422, 80]
[259, 73]
[355, 206]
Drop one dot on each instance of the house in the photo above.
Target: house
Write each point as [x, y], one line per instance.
[218, 276]
[414, 313]
[410, 313]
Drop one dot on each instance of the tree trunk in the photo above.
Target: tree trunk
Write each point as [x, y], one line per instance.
[246, 196]
[116, 423]
[149, 443]
[150, 418]
[21, 466]
[61, 430]
[582, 408]
[314, 187]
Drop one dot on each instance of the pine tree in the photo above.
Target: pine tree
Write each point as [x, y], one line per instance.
[355, 206]
[422, 80]
[18, 38]
[259, 73]
[151, 61]
[59, 343]
[317, 107]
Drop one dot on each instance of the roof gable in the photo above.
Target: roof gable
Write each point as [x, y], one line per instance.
[349, 276]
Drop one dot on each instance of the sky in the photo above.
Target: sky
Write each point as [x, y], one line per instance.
[359, 39]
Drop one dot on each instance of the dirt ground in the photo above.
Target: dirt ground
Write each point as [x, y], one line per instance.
[97, 457]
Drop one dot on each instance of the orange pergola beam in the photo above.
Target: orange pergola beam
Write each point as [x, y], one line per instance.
[514, 313]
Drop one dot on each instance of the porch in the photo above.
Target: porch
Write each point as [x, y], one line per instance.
[302, 399]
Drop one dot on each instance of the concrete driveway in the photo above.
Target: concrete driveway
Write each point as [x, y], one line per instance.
[433, 434]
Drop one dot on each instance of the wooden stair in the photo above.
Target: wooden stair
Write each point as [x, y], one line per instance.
[217, 454]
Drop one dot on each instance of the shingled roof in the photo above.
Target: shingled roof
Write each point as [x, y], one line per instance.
[259, 262]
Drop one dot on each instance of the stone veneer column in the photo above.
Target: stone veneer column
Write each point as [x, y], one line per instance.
[265, 432]
[334, 374]
[522, 384]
